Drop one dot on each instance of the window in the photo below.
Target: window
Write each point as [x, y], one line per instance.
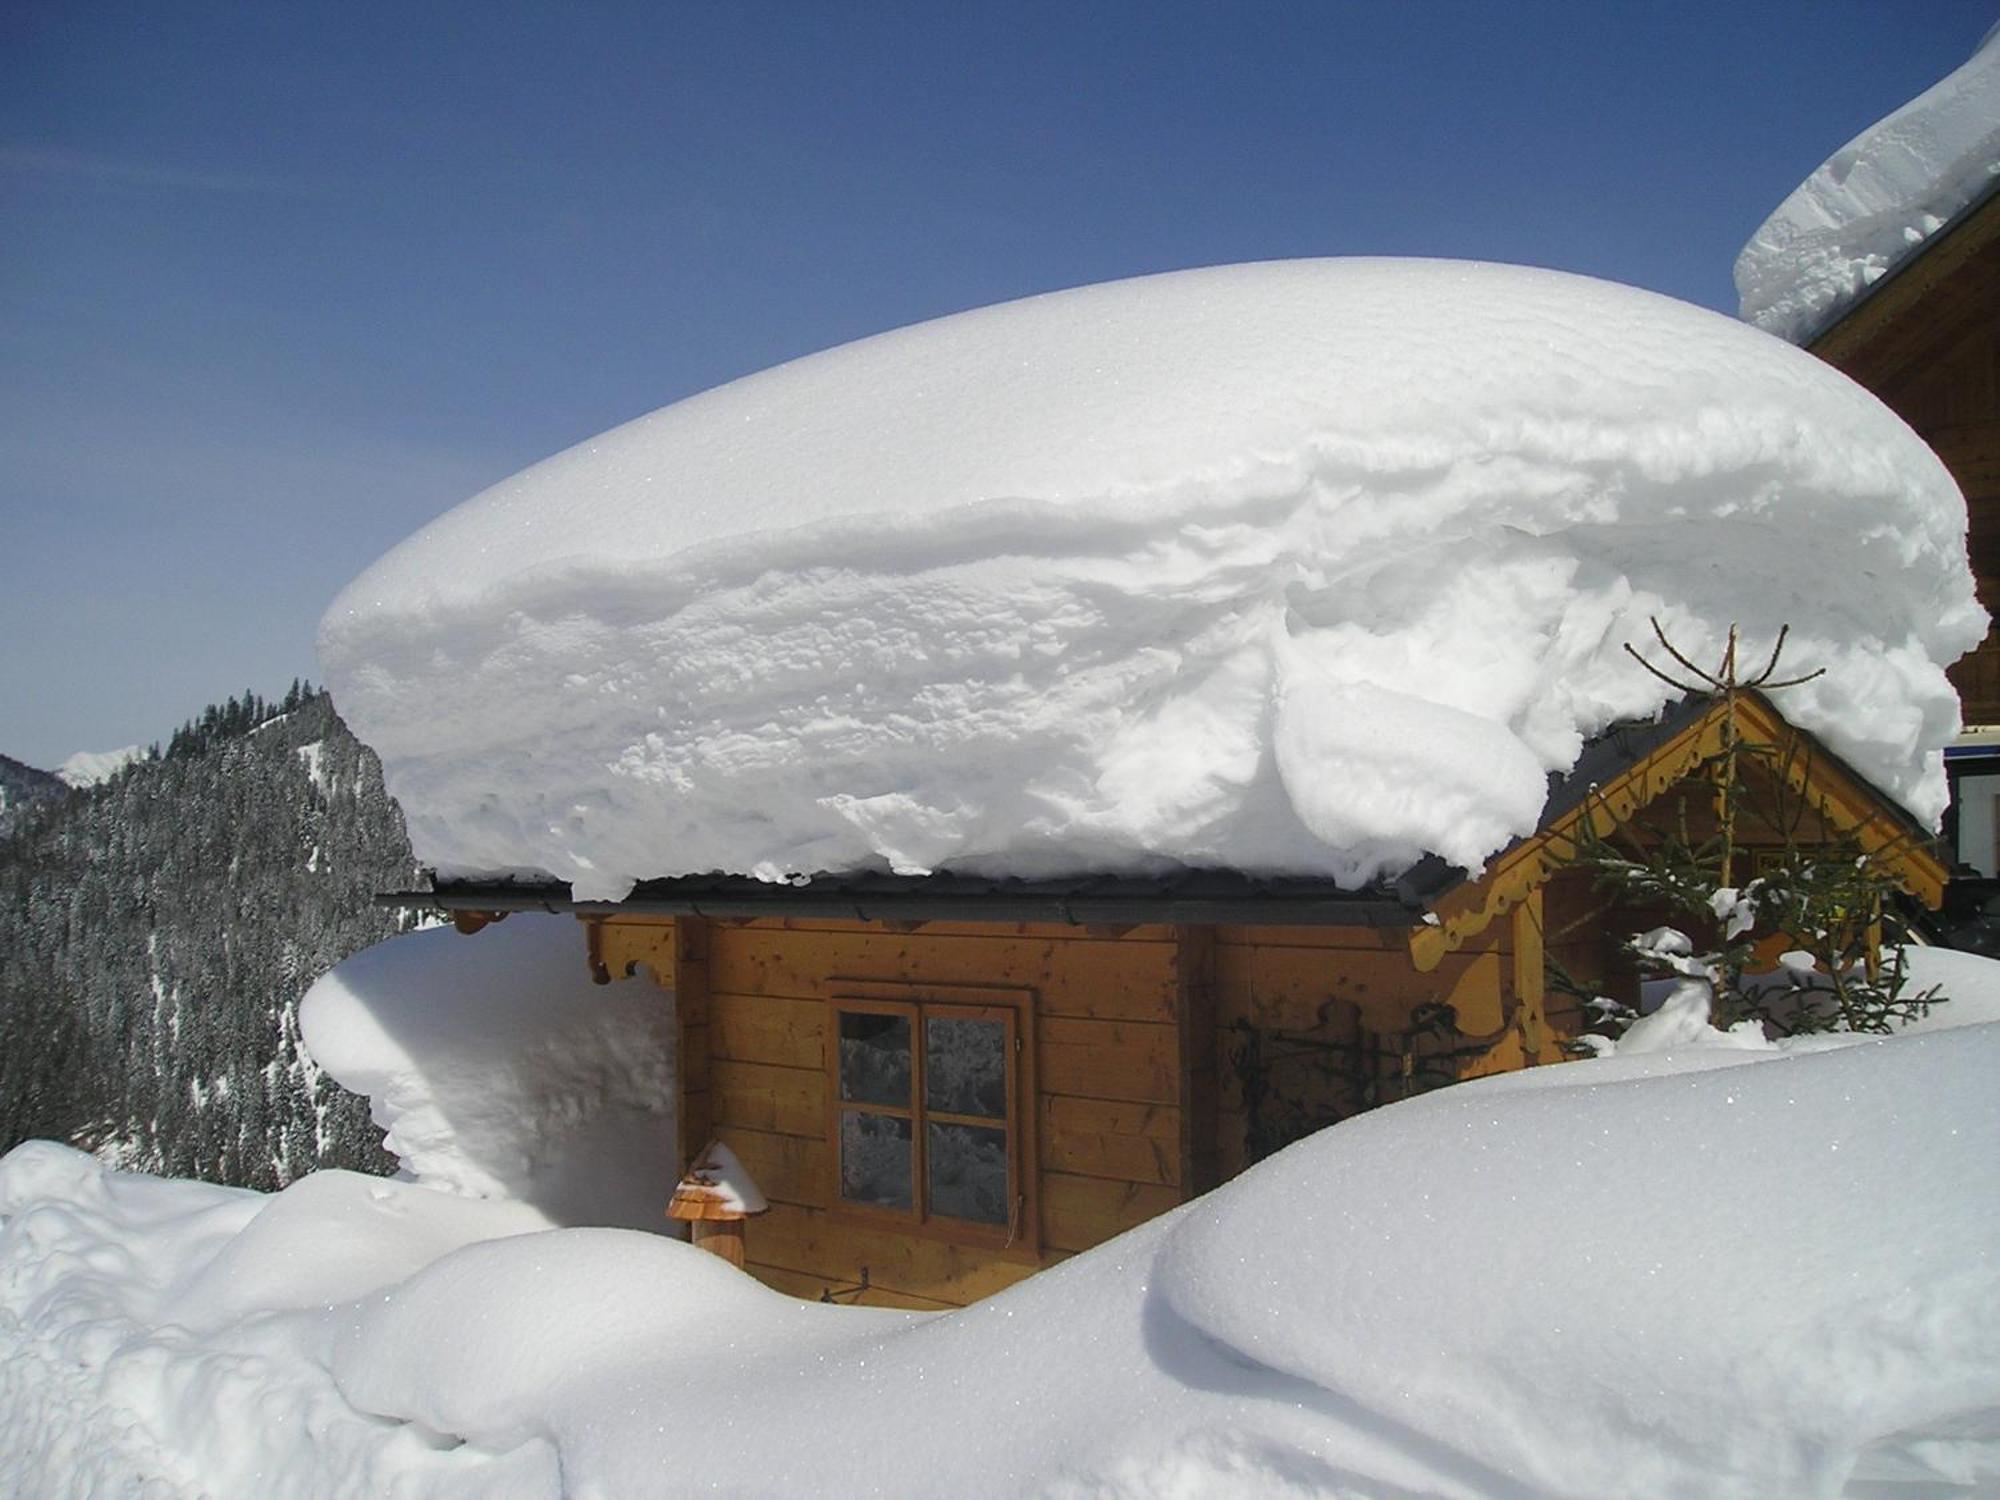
[928, 1119]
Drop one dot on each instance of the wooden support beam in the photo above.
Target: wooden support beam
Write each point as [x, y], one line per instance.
[593, 950]
[722, 1237]
[691, 985]
[1195, 1016]
[1530, 978]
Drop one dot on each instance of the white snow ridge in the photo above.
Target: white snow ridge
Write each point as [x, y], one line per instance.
[89, 768]
[1304, 567]
[1878, 198]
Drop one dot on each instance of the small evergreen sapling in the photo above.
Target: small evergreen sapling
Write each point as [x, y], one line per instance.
[1830, 898]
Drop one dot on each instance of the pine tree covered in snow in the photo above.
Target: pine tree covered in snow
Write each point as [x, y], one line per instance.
[21, 787]
[156, 933]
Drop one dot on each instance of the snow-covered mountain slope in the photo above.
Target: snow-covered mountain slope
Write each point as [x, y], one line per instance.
[1306, 567]
[1874, 202]
[158, 930]
[1718, 1272]
[21, 786]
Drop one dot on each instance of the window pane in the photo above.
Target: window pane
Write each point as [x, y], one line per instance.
[968, 1171]
[965, 1066]
[874, 1159]
[875, 1058]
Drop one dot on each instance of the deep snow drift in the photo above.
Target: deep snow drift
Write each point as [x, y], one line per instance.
[496, 1069]
[1722, 1272]
[1303, 567]
[1874, 202]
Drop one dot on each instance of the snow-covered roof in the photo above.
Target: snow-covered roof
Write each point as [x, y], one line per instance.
[1301, 567]
[1875, 202]
[717, 1186]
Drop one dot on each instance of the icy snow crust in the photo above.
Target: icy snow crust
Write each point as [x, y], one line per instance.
[1306, 567]
[1879, 198]
[1716, 1273]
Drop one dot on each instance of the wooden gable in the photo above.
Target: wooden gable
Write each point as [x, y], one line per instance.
[1846, 803]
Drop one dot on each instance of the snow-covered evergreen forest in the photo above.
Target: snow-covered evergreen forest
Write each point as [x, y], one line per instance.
[157, 931]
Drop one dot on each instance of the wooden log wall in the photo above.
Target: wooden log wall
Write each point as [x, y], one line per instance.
[1115, 1145]
[1138, 1106]
[1343, 983]
[1928, 344]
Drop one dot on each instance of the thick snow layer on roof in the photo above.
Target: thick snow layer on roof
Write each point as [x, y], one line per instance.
[1724, 1273]
[1307, 567]
[1874, 202]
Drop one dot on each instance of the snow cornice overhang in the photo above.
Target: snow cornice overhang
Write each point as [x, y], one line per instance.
[1431, 896]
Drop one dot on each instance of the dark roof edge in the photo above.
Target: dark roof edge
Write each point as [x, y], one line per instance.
[1315, 907]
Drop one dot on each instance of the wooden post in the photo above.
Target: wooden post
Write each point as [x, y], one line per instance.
[715, 1197]
[1530, 977]
[723, 1237]
[689, 980]
[1194, 1011]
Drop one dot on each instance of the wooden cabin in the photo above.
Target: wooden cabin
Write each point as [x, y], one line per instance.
[1926, 340]
[944, 1084]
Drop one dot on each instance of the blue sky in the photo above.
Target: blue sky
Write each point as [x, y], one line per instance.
[279, 283]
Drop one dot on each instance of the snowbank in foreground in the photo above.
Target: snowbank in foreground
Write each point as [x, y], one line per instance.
[1305, 566]
[1723, 1273]
[1874, 202]
[497, 1069]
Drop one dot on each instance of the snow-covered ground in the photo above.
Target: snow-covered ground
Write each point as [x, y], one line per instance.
[1714, 1271]
[1873, 202]
[1307, 566]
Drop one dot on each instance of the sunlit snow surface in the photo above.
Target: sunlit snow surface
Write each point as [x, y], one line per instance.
[1715, 1272]
[1876, 200]
[1305, 566]
[496, 1069]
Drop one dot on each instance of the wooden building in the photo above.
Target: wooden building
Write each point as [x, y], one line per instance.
[1926, 340]
[944, 1084]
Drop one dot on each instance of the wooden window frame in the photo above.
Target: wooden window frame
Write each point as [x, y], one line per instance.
[1016, 1009]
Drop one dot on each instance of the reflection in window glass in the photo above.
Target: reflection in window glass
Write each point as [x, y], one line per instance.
[965, 1066]
[875, 1159]
[875, 1058]
[968, 1172]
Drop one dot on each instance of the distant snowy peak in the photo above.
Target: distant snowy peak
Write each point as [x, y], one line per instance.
[1877, 199]
[89, 768]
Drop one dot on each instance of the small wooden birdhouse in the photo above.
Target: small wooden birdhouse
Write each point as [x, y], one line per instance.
[715, 1197]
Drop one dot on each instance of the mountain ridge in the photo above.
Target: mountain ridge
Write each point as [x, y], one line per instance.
[158, 929]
